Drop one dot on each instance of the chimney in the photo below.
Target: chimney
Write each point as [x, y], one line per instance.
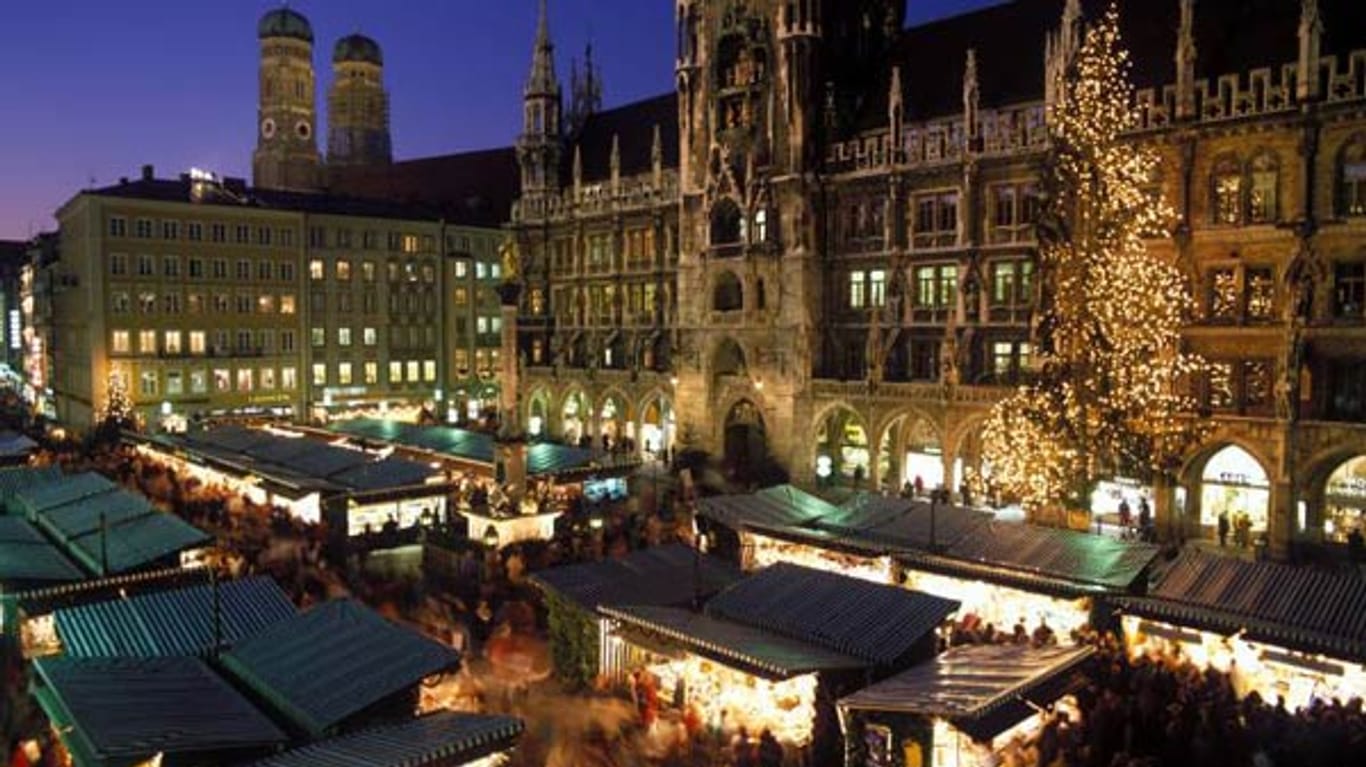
[148, 173]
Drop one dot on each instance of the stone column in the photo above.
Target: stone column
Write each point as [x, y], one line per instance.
[510, 450]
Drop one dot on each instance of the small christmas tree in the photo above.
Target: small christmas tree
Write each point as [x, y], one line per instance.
[1107, 395]
[118, 410]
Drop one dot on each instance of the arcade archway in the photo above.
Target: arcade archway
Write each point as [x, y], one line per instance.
[574, 417]
[656, 426]
[538, 413]
[614, 420]
[746, 439]
[1234, 483]
[842, 445]
[911, 453]
[1344, 500]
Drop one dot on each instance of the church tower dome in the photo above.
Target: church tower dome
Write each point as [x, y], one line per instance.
[358, 105]
[286, 155]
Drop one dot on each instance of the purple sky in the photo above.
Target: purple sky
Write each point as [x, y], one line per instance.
[93, 89]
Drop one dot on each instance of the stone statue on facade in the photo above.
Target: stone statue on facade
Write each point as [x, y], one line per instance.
[511, 259]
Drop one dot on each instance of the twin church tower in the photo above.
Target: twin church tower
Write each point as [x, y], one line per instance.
[286, 155]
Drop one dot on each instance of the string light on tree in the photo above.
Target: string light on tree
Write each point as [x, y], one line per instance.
[1108, 395]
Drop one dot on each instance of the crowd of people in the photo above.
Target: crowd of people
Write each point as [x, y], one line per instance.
[1163, 710]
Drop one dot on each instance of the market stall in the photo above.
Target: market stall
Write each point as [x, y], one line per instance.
[771, 650]
[1276, 629]
[958, 709]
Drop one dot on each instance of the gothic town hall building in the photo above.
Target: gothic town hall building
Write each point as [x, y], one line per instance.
[818, 250]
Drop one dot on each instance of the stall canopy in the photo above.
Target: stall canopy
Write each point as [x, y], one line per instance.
[298, 463]
[1300, 608]
[981, 689]
[441, 738]
[749, 649]
[787, 620]
[15, 445]
[542, 459]
[26, 557]
[941, 537]
[326, 665]
[35, 499]
[15, 479]
[878, 623]
[120, 711]
[188, 621]
[774, 508]
[136, 543]
[670, 575]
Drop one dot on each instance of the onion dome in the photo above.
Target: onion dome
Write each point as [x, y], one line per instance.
[357, 48]
[285, 22]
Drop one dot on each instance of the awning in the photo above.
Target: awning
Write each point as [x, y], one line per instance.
[751, 650]
[445, 738]
[970, 684]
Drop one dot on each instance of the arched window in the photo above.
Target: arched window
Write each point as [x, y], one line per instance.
[1352, 178]
[1263, 183]
[1226, 192]
[725, 223]
[760, 229]
[728, 295]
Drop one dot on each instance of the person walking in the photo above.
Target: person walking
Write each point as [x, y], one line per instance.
[1223, 528]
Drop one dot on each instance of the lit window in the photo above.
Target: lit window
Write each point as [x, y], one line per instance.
[1261, 202]
[482, 325]
[148, 383]
[1352, 192]
[222, 380]
[197, 342]
[245, 378]
[199, 381]
[315, 269]
[319, 374]
[371, 373]
[857, 297]
[289, 379]
[343, 270]
[175, 383]
[268, 379]
[877, 288]
[369, 337]
[287, 304]
[344, 373]
[1228, 193]
[172, 341]
[414, 371]
[318, 336]
[395, 372]
[120, 342]
[265, 304]
[761, 225]
[462, 268]
[367, 270]
[343, 336]
[147, 341]
[429, 370]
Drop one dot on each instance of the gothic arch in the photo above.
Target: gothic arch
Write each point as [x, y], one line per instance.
[575, 414]
[726, 223]
[538, 407]
[728, 357]
[727, 292]
[744, 436]
[840, 434]
[903, 431]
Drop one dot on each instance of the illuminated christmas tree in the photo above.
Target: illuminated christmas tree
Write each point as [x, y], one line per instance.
[1107, 396]
[118, 410]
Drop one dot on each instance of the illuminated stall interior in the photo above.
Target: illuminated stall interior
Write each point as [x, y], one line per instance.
[959, 709]
[763, 648]
[1279, 630]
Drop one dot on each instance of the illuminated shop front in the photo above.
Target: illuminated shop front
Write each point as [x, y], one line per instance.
[572, 424]
[842, 441]
[1110, 493]
[1234, 483]
[657, 428]
[1344, 501]
[1253, 666]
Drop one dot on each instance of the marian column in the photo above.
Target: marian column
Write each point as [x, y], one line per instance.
[511, 442]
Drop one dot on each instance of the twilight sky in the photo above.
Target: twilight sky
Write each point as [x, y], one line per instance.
[93, 89]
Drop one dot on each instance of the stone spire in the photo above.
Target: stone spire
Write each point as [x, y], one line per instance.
[1059, 48]
[1185, 62]
[585, 92]
[542, 81]
[1307, 85]
[971, 99]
